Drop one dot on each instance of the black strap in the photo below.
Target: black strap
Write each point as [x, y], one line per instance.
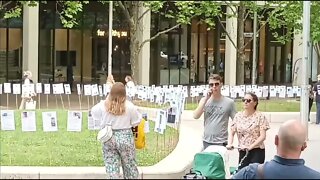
[260, 171]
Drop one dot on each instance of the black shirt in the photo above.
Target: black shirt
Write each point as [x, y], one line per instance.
[316, 88]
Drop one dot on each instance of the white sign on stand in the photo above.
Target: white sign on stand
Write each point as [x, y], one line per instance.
[28, 121]
[50, 122]
[161, 121]
[7, 120]
[74, 121]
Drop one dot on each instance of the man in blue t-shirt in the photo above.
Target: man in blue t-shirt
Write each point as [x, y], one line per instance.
[290, 142]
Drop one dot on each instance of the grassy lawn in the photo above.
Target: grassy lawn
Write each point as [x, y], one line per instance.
[278, 105]
[63, 148]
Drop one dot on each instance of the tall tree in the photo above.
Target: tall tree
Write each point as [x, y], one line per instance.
[290, 14]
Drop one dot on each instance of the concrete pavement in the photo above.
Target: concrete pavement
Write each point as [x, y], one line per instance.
[311, 153]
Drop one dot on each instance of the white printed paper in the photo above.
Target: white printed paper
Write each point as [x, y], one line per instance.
[79, 89]
[49, 121]
[161, 121]
[7, 120]
[28, 121]
[290, 92]
[57, 88]
[46, 88]
[38, 88]
[87, 90]
[94, 90]
[74, 121]
[93, 124]
[100, 90]
[16, 88]
[7, 87]
[146, 127]
[0, 88]
[67, 89]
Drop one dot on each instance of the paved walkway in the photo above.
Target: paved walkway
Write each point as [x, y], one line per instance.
[311, 154]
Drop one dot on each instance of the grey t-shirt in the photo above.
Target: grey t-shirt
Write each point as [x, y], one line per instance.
[216, 118]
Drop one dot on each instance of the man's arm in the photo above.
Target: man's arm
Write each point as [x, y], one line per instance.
[199, 110]
[233, 110]
[248, 172]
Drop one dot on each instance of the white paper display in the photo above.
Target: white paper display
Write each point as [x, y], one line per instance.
[38, 88]
[100, 90]
[16, 88]
[28, 121]
[94, 90]
[87, 89]
[49, 121]
[7, 120]
[57, 88]
[7, 87]
[67, 89]
[93, 124]
[146, 127]
[46, 88]
[79, 89]
[74, 121]
[0, 88]
[161, 121]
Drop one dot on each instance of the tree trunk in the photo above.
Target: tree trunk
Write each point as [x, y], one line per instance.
[134, 40]
[317, 48]
[241, 48]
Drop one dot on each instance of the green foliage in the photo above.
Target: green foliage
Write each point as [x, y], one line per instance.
[70, 11]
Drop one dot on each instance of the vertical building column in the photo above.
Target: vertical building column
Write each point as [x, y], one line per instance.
[143, 76]
[30, 40]
[230, 51]
[296, 60]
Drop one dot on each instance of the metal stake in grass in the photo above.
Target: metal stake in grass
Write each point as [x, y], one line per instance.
[39, 100]
[17, 101]
[88, 102]
[69, 101]
[62, 101]
[80, 101]
[7, 101]
[47, 101]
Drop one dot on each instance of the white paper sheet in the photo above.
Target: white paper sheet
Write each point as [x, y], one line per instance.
[7, 120]
[67, 89]
[161, 121]
[7, 88]
[28, 121]
[38, 88]
[93, 124]
[16, 88]
[49, 121]
[46, 88]
[74, 121]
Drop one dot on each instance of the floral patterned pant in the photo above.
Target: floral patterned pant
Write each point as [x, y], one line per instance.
[120, 151]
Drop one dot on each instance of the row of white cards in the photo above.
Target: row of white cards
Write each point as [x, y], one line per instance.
[74, 121]
[148, 92]
[49, 121]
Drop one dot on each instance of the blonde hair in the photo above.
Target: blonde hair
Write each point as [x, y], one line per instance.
[115, 102]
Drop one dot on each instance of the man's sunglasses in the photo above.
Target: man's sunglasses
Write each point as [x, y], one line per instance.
[214, 84]
[246, 100]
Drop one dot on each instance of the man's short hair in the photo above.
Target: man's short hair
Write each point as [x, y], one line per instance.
[215, 77]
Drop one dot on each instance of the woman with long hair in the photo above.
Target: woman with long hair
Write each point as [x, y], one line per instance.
[251, 126]
[120, 149]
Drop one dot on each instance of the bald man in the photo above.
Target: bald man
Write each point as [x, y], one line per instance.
[290, 142]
